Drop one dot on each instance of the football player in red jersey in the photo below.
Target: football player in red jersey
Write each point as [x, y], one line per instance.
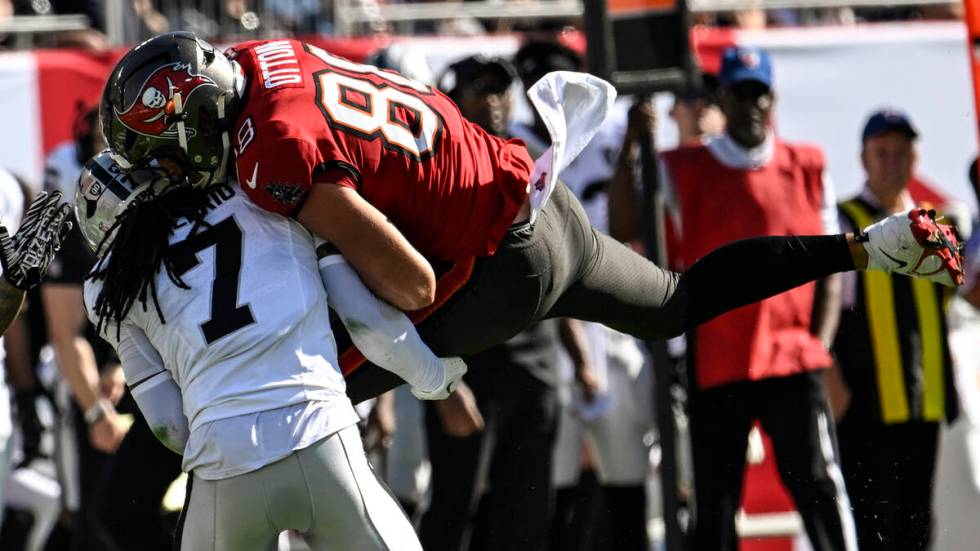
[388, 171]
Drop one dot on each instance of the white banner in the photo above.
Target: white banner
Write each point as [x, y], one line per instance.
[20, 136]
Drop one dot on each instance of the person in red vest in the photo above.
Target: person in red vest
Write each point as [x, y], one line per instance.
[761, 362]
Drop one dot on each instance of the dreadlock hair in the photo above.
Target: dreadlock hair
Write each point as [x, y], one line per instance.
[132, 260]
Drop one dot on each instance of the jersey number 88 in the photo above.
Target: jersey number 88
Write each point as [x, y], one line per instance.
[402, 120]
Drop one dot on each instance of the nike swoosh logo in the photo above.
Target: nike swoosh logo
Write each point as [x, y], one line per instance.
[901, 263]
[254, 179]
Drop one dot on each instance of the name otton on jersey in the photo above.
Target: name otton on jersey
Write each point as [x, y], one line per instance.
[278, 64]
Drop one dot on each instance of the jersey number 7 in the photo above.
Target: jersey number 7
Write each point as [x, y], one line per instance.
[226, 238]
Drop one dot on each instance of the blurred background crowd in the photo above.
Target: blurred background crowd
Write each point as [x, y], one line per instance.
[97, 23]
[849, 408]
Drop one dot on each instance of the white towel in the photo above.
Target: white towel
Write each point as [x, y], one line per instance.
[573, 106]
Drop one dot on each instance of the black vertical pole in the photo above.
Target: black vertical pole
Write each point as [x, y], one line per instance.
[598, 29]
[602, 62]
[653, 240]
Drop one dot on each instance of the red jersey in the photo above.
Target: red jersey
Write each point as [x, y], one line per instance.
[308, 116]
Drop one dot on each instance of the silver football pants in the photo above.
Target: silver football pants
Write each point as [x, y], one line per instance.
[327, 492]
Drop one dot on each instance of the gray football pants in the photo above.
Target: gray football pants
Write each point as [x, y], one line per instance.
[562, 267]
[327, 492]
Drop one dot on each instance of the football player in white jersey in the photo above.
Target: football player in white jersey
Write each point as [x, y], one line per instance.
[231, 359]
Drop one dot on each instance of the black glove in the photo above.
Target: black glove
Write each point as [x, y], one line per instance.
[30, 426]
[25, 256]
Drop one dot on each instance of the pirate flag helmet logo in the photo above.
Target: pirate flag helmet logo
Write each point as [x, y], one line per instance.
[154, 112]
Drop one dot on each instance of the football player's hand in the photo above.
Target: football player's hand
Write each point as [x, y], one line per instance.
[107, 433]
[588, 381]
[454, 369]
[459, 413]
[711, 121]
[25, 256]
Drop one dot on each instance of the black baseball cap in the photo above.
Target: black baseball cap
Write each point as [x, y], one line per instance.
[464, 72]
[536, 58]
[888, 120]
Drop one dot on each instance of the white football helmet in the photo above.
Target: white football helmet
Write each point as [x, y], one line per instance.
[105, 190]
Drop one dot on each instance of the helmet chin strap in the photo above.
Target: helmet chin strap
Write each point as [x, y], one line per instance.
[178, 113]
[238, 89]
[221, 173]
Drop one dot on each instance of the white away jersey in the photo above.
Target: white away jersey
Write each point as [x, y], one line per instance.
[252, 333]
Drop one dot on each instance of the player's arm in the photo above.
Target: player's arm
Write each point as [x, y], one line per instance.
[65, 318]
[64, 312]
[571, 332]
[387, 263]
[314, 184]
[823, 325]
[625, 216]
[381, 332]
[826, 308]
[151, 385]
[155, 391]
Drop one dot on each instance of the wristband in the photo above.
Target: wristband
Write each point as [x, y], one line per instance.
[97, 411]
